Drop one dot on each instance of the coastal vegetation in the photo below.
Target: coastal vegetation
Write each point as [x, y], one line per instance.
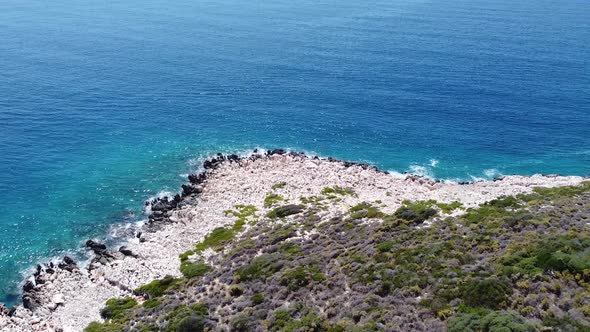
[511, 264]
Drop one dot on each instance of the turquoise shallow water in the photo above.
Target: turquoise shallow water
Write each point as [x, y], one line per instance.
[104, 104]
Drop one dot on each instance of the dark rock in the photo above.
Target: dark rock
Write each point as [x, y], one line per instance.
[197, 178]
[276, 151]
[30, 302]
[126, 252]
[188, 190]
[28, 286]
[3, 310]
[68, 264]
[160, 205]
[97, 247]
[213, 162]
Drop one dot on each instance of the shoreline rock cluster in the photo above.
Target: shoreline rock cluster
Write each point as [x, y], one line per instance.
[66, 296]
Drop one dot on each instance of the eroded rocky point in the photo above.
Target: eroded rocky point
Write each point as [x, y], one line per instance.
[282, 241]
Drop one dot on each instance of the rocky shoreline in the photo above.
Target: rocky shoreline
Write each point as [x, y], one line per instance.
[65, 296]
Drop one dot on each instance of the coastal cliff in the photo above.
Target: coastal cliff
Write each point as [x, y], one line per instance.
[287, 242]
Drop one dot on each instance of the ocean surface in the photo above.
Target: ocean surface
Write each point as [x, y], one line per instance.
[104, 104]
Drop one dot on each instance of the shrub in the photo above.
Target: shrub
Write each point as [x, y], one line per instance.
[553, 253]
[284, 211]
[556, 192]
[242, 212]
[190, 324]
[116, 308]
[259, 268]
[495, 321]
[151, 303]
[191, 270]
[187, 318]
[283, 321]
[271, 199]
[449, 207]
[243, 323]
[365, 210]
[279, 185]
[216, 239]
[417, 212]
[337, 190]
[504, 202]
[236, 291]
[290, 249]
[489, 293]
[258, 298]
[157, 287]
[103, 327]
[385, 246]
[301, 277]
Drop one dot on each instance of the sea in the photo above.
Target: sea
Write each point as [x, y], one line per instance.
[105, 104]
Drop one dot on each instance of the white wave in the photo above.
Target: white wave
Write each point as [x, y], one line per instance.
[491, 173]
[421, 170]
[476, 178]
[434, 162]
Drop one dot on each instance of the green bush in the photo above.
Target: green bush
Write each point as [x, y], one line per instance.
[242, 212]
[279, 185]
[489, 293]
[190, 324]
[259, 268]
[187, 318]
[415, 212]
[495, 321]
[385, 246]
[301, 277]
[504, 202]
[192, 270]
[449, 207]
[284, 211]
[258, 298]
[272, 199]
[551, 253]
[236, 291]
[216, 239]
[283, 321]
[243, 323]
[541, 193]
[337, 190]
[151, 303]
[157, 287]
[103, 327]
[365, 210]
[116, 308]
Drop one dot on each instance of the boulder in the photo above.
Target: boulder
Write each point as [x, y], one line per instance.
[67, 264]
[97, 247]
[127, 252]
[58, 299]
[28, 286]
[3, 310]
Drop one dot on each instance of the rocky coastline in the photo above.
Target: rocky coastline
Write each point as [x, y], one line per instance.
[67, 296]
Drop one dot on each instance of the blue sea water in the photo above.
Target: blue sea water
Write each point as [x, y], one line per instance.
[106, 103]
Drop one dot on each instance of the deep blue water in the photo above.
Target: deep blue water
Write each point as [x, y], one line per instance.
[106, 103]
